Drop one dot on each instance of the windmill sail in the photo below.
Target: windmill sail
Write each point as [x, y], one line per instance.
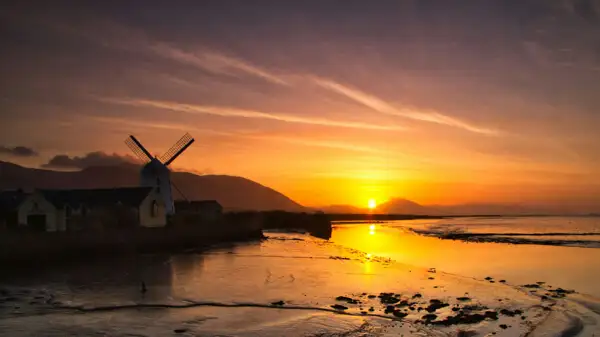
[138, 149]
[178, 148]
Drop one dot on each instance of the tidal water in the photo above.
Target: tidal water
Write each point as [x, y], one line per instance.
[384, 279]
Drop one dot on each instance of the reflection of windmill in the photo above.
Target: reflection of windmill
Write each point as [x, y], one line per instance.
[155, 171]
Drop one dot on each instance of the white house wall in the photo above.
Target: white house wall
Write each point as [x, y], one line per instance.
[145, 211]
[36, 204]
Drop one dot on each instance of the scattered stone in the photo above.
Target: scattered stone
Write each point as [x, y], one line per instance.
[389, 309]
[364, 294]
[278, 303]
[347, 300]
[502, 281]
[399, 314]
[503, 326]
[523, 317]
[462, 318]
[531, 286]
[403, 303]
[339, 307]
[510, 313]
[463, 299]
[474, 307]
[371, 309]
[429, 317]
[541, 283]
[562, 291]
[371, 296]
[488, 278]
[431, 278]
[435, 305]
[180, 330]
[492, 281]
[417, 295]
[388, 298]
[363, 312]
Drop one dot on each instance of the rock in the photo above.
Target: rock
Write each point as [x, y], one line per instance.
[503, 326]
[431, 278]
[417, 295]
[180, 330]
[502, 281]
[429, 317]
[435, 305]
[531, 286]
[389, 309]
[347, 300]
[371, 296]
[463, 299]
[399, 314]
[510, 313]
[491, 315]
[388, 298]
[278, 303]
[339, 307]
[488, 278]
[371, 309]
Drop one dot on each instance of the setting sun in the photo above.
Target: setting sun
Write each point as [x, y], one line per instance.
[372, 203]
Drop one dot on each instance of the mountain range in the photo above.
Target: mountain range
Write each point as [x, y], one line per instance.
[234, 193]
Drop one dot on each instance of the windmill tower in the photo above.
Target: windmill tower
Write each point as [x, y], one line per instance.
[155, 171]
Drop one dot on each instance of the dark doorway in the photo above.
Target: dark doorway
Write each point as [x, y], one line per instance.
[37, 222]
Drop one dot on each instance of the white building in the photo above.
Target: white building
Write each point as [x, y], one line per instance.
[62, 210]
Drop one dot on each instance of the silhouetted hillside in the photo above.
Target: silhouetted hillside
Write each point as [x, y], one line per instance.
[234, 193]
[405, 206]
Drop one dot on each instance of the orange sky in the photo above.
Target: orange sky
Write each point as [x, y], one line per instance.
[326, 105]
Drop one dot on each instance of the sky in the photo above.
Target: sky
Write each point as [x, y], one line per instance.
[328, 102]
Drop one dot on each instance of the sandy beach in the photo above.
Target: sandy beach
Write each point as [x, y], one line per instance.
[297, 285]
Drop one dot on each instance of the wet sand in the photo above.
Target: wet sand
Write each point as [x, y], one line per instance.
[290, 285]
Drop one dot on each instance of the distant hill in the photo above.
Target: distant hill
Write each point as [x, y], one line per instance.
[405, 206]
[401, 206]
[234, 193]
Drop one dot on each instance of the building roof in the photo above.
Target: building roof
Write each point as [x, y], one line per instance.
[127, 196]
[11, 199]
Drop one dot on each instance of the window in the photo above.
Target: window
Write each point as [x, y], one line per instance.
[154, 208]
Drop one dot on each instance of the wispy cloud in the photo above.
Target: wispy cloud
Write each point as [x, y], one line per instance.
[242, 113]
[242, 134]
[384, 107]
[213, 62]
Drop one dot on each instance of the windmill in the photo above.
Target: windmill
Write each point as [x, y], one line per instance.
[155, 171]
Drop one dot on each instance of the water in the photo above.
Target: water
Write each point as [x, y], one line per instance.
[560, 263]
[230, 290]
